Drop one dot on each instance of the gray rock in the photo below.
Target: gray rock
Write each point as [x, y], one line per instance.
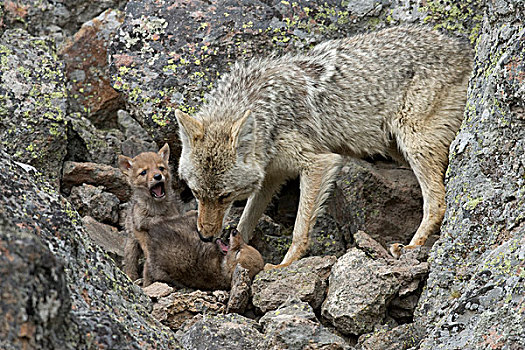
[229, 331]
[85, 57]
[35, 299]
[294, 326]
[112, 179]
[137, 139]
[475, 291]
[382, 199]
[57, 19]
[305, 279]
[402, 337]
[93, 201]
[102, 146]
[63, 291]
[176, 308]
[157, 290]
[33, 105]
[240, 291]
[360, 290]
[370, 246]
[105, 236]
[327, 237]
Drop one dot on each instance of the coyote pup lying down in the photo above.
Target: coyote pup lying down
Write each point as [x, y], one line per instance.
[179, 257]
[398, 92]
[173, 250]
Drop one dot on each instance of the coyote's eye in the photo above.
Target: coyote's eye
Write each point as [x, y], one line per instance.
[161, 168]
[143, 172]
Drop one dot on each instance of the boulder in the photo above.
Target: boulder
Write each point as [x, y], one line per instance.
[112, 179]
[240, 291]
[85, 57]
[361, 288]
[33, 103]
[403, 337]
[93, 145]
[381, 198]
[294, 326]
[137, 139]
[93, 201]
[475, 291]
[56, 19]
[105, 236]
[305, 279]
[64, 291]
[226, 332]
[35, 303]
[176, 308]
[157, 290]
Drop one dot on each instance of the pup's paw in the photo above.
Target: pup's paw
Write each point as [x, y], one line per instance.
[396, 250]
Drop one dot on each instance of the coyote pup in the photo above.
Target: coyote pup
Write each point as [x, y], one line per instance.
[152, 201]
[398, 92]
[179, 257]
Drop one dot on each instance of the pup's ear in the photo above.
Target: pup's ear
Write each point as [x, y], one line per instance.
[190, 129]
[125, 164]
[164, 152]
[243, 132]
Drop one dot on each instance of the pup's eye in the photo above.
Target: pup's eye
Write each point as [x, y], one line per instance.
[143, 172]
[161, 168]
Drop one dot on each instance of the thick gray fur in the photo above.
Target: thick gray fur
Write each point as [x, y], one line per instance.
[398, 92]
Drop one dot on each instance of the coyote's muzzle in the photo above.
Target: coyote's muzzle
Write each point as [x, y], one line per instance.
[211, 216]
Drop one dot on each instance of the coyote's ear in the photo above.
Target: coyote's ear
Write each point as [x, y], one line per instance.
[243, 131]
[164, 152]
[125, 164]
[190, 129]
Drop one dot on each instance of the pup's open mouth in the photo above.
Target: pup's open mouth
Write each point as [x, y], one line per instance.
[158, 190]
[223, 246]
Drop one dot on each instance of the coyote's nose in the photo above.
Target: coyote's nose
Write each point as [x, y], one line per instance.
[157, 177]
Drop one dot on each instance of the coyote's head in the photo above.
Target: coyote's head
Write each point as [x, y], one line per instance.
[148, 173]
[219, 164]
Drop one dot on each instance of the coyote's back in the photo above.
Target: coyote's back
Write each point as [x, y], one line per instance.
[398, 92]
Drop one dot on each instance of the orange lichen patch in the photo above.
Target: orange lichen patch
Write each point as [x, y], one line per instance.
[15, 9]
[515, 71]
[5, 252]
[27, 330]
[493, 339]
[123, 60]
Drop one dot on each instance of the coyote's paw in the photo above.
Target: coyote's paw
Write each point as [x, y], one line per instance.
[396, 250]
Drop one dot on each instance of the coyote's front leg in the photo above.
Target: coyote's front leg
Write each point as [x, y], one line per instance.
[256, 205]
[315, 182]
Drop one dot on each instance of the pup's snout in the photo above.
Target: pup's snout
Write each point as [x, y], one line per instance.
[157, 177]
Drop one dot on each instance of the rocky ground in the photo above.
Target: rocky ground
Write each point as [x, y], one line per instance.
[82, 82]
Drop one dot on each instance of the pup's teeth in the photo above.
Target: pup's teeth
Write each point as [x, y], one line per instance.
[157, 190]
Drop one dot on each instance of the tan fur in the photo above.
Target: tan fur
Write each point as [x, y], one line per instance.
[145, 210]
[399, 92]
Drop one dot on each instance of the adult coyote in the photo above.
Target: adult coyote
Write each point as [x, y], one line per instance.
[398, 92]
